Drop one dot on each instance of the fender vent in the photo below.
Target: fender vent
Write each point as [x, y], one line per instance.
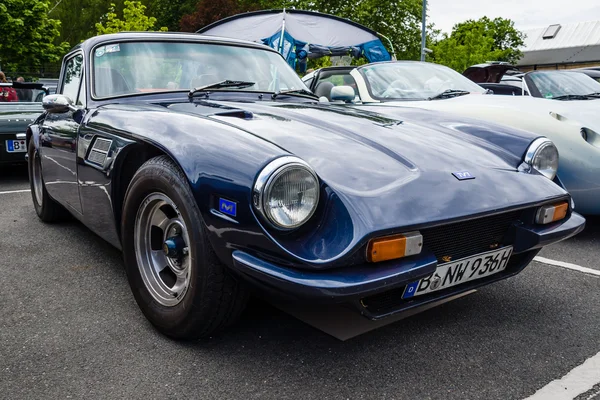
[99, 151]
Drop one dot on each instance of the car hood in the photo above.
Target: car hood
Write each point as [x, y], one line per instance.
[394, 166]
[583, 113]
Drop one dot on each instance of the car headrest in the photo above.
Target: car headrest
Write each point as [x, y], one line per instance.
[324, 89]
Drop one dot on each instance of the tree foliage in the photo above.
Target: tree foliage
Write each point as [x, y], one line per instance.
[28, 35]
[169, 12]
[79, 17]
[209, 11]
[134, 19]
[473, 42]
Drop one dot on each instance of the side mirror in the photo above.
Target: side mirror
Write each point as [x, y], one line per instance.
[57, 104]
[344, 93]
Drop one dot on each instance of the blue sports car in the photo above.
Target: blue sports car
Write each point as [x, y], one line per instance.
[218, 174]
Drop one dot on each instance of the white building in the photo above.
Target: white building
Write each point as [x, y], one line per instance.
[562, 46]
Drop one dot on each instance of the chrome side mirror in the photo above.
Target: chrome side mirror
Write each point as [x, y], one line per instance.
[57, 104]
[343, 93]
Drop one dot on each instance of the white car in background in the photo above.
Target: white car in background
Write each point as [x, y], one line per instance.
[574, 126]
[566, 85]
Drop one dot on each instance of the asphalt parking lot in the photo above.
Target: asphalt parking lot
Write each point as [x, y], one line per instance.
[69, 328]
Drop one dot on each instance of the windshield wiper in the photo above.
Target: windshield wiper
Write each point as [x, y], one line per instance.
[597, 94]
[571, 97]
[449, 93]
[293, 91]
[222, 84]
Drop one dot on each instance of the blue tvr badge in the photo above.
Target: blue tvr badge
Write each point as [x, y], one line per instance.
[463, 175]
[228, 207]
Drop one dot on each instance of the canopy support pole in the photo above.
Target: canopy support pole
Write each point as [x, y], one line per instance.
[423, 30]
[282, 33]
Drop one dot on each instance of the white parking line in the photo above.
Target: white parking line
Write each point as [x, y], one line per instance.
[16, 191]
[567, 265]
[580, 380]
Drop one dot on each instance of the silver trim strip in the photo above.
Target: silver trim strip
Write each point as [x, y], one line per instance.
[265, 179]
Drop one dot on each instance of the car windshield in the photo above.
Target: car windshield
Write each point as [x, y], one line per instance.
[552, 84]
[141, 67]
[414, 80]
[20, 93]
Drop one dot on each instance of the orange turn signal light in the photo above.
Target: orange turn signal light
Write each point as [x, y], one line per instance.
[555, 212]
[396, 246]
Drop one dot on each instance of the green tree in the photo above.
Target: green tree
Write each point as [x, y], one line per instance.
[79, 17]
[209, 11]
[134, 19]
[473, 42]
[169, 12]
[28, 36]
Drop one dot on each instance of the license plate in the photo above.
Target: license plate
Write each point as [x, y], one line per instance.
[16, 146]
[460, 271]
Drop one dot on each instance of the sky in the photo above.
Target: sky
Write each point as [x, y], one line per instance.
[525, 13]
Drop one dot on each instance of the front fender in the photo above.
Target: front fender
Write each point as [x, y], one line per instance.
[33, 133]
[218, 160]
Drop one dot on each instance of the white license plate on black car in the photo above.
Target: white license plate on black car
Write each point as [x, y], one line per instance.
[16, 146]
[460, 271]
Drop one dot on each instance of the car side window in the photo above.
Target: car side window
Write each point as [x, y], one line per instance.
[81, 97]
[72, 78]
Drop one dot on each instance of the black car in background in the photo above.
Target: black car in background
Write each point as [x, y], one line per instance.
[15, 116]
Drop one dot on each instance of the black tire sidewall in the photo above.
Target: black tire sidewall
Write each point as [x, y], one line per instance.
[162, 179]
[33, 157]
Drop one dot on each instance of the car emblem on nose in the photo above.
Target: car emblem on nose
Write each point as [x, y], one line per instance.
[463, 175]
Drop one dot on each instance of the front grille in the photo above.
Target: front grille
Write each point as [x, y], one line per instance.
[467, 238]
[391, 300]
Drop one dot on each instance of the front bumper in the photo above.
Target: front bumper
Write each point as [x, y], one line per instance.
[353, 284]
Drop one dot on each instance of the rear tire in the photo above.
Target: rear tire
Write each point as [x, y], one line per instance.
[185, 292]
[46, 208]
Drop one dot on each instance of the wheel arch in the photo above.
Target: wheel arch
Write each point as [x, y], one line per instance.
[33, 133]
[128, 162]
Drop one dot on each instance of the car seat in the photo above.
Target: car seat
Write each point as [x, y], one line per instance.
[323, 89]
[109, 82]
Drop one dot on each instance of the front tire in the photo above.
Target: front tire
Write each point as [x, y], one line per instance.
[176, 278]
[46, 208]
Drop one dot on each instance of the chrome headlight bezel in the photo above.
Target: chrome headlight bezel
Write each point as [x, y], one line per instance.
[535, 149]
[268, 176]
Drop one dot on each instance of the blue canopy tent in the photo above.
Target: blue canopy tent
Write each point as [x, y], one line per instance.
[299, 35]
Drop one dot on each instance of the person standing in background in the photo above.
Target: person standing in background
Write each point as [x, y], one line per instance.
[7, 93]
[23, 94]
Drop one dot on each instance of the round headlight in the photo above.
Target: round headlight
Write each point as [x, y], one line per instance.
[542, 156]
[286, 192]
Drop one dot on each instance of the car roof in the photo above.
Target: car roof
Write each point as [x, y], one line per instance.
[165, 36]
